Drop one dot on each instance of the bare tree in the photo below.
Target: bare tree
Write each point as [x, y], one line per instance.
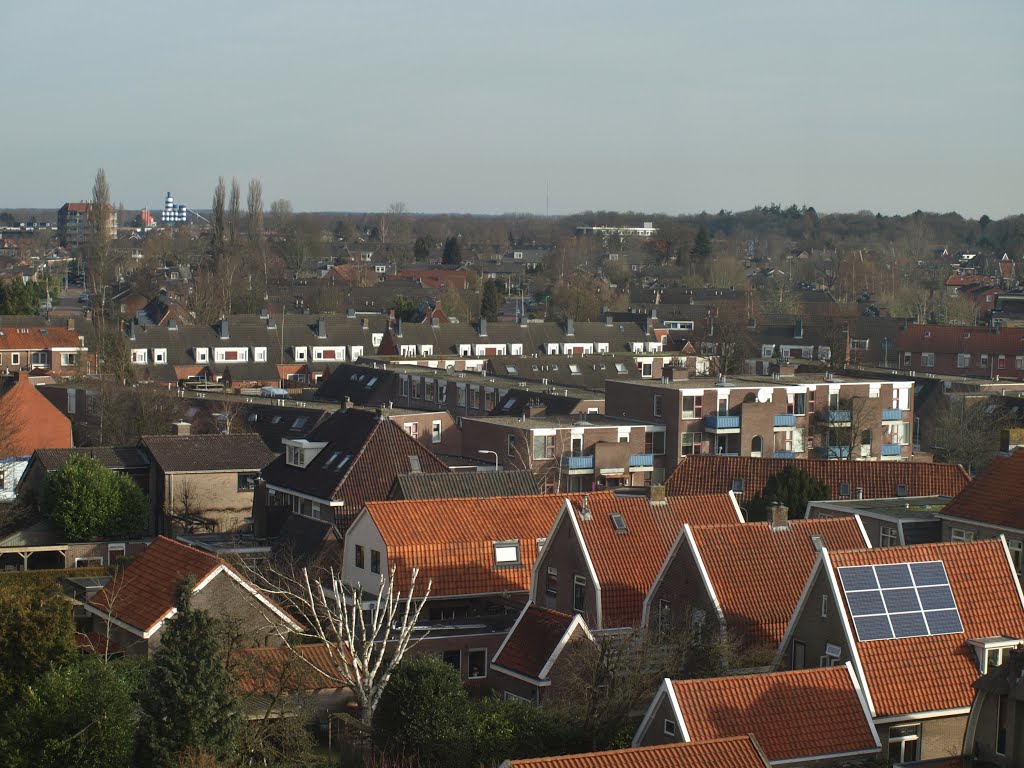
[254, 221]
[366, 635]
[217, 224]
[727, 340]
[98, 238]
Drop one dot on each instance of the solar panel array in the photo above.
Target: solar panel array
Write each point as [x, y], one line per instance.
[900, 600]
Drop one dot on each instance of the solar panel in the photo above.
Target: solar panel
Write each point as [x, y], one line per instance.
[898, 600]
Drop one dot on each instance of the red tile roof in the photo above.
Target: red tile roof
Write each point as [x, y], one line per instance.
[994, 495]
[38, 338]
[878, 479]
[799, 714]
[145, 592]
[923, 674]
[272, 670]
[30, 420]
[626, 563]
[736, 752]
[533, 640]
[737, 557]
[951, 339]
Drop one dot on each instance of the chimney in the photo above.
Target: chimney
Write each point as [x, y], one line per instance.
[435, 322]
[570, 328]
[678, 373]
[346, 403]
[350, 313]
[817, 542]
[131, 330]
[608, 320]
[585, 508]
[483, 326]
[535, 408]
[182, 428]
[225, 331]
[71, 323]
[398, 327]
[321, 328]
[365, 324]
[172, 324]
[860, 493]
[798, 329]
[524, 321]
[658, 494]
[654, 313]
[779, 516]
[647, 326]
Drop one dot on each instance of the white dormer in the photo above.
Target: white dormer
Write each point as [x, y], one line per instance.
[202, 354]
[990, 651]
[259, 354]
[299, 353]
[298, 453]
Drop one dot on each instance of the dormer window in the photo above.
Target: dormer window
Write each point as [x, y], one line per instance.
[506, 553]
[989, 652]
[299, 453]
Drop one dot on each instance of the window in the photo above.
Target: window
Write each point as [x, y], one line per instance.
[115, 552]
[416, 387]
[692, 443]
[259, 354]
[961, 534]
[404, 386]
[543, 446]
[412, 428]
[506, 552]
[824, 606]
[474, 398]
[1001, 362]
[799, 654]
[927, 359]
[579, 593]
[3, 478]
[1019, 362]
[576, 445]
[88, 562]
[374, 561]
[797, 405]
[654, 442]
[984, 361]
[756, 445]
[657, 405]
[692, 406]
[737, 485]
[670, 727]
[435, 432]
[903, 743]
[646, 370]
[138, 356]
[442, 391]
[247, 481]
[844, 490]
[664, 615]
[300, 353]
[68, 358]
[888, 536]
[477, 663]
[963, 360]
[551, 587]
[16, 358]
[360, 556]
[1016, 553]
[510, 445]
[428, 391]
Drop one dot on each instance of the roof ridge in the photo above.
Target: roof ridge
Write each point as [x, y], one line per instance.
[921, 546]
[807, 672]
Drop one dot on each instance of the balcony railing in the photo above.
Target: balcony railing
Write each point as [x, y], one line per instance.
[784, 454]
[838, 417]
[785, 420]
[892, 449]
[715, 423]
[578, 462]
[892, 414]
[641, 460]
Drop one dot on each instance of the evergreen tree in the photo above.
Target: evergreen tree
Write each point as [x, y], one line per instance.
[37, 633]
[701, 245]
[793, 487]
[490, 301]
[421, 249]
[452, 251]
[86, 499]
[189, 701]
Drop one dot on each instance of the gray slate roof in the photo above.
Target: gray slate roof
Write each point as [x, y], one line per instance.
[208, 453]
[465, 485]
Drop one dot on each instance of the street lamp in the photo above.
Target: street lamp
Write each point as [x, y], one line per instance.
[482, 450]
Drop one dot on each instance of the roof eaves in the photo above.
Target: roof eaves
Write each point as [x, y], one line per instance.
[577, 621]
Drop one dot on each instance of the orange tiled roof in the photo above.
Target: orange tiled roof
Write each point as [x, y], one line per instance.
[532, 640]
[799, 714]
[270, 670]
[994, 495]
[878, 479]
[38, 338]
[736, 752]
[627, 563]
[146, 591]
[923, 674]
[737, 557]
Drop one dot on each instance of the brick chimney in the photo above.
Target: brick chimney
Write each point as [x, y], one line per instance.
[658, 494]
[535, 408]
[181, 428]
[779, 514]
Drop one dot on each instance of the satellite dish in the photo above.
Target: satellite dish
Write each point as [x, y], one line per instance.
[764, 396]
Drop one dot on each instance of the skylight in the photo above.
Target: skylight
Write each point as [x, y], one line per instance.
[620, 367]
[511, 370]
[900, 600]
[617, 522]
[573, 368]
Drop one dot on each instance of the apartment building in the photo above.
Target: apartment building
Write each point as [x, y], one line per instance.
[799, 416]
[73, 224]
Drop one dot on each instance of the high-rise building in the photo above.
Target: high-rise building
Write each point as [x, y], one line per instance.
[172, 213]
[73, 224]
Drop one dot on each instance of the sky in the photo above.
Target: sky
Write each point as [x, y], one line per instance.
[556, 106]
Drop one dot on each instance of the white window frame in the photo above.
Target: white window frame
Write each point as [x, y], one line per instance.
[159, 356]
[904, 739]
[259, 354]
[469, 663]
[669, 727]
[506, 553]
[435, 431]
[139, 357]
[202, 354]
[962, 534]
[888, 536]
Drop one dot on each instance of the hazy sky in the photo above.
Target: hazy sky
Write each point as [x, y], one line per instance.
[475, 106]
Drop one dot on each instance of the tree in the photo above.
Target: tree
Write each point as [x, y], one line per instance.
[967, 431]
[793, 487]
[452, 253]
[490, 301]
[421, 249]
[85, 500]
[189, 699]
[701, 250]
[37, 632]
[79, 714]
[424, 712]
[727, 339]
[254, 226]
[97, 243]
[366, 637]
[217, 233]
[404, 309]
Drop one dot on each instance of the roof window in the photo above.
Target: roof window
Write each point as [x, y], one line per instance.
[506, 552]
[618, 523]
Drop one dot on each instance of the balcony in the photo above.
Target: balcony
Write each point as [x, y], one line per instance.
[641, 461]
[578, 463]
[892, 449]
[837, 452]
[838, 418]
[785, 420]
[784, 454]
[892, 414]
[722, 423]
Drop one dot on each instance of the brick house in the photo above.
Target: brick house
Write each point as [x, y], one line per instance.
[53, 349]
[526, 663]
[812, 717]
[719, 571]
[28, 421]
[204, 482]
[918, 624]
[761, 416]
[604, 551]
[961, 351]
[994, 729]
[133, 608]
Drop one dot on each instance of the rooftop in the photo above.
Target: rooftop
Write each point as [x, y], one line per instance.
[736, 752]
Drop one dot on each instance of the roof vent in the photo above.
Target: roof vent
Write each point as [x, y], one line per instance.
[585, 513]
